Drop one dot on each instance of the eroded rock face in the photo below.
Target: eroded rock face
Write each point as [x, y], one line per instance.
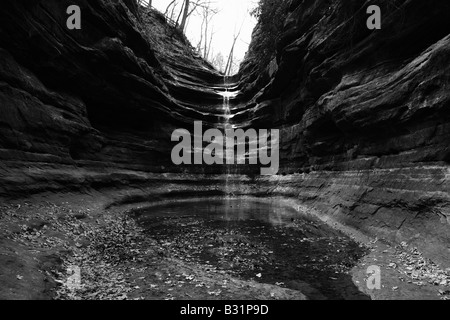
[101, 99]
[364, 115]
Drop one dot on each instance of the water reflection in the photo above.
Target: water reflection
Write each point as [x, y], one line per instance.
[274, 212]
[265, 240]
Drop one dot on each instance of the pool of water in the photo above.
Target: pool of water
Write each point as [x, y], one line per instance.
[266, 240]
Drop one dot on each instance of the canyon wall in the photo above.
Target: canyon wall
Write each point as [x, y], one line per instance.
[97, 106]
[364, 114]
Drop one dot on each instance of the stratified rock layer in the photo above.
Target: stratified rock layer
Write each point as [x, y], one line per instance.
[364, 115]
[101, 99]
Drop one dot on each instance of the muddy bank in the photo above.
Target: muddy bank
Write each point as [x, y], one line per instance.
[44, 238]
[114, 258]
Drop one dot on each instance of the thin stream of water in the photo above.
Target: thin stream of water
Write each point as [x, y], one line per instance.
[227, 125]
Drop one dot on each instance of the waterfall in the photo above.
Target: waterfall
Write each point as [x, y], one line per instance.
[226, 125]
[227, 116]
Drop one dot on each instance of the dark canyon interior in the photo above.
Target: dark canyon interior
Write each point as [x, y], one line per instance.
[364, 116]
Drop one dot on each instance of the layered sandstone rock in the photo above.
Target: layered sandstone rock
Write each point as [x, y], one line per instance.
[103, 99]
[364, 115]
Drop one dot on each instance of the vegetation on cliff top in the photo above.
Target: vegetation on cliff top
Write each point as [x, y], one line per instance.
[271, 15]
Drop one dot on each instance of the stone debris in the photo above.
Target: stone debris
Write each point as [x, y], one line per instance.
[420, 271]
